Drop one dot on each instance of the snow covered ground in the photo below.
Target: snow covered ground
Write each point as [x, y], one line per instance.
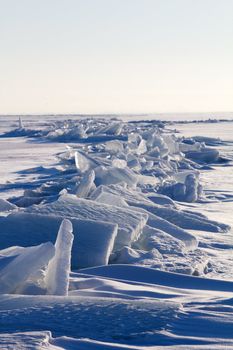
[143, 257]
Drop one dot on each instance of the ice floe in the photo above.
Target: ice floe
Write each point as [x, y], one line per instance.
[105, 248]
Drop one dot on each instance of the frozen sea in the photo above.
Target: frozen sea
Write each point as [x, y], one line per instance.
[128, 305]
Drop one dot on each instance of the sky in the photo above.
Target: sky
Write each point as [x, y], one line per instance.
[116, 56]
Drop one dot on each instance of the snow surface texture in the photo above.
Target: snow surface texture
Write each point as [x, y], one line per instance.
[131, 193]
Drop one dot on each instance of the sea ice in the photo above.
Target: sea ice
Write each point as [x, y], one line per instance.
[58, 270]
[85, 185]
[125, 219]
[130, 223]
[6, 206]
[31, 259]
[93, 240]
[114, 175]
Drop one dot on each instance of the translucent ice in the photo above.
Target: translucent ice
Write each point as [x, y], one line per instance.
[58, 270]
[23, 265]
[85, 184]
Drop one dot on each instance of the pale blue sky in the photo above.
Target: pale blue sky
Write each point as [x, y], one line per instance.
[103, 56]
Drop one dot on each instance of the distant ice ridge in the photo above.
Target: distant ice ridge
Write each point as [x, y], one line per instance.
[120, 185]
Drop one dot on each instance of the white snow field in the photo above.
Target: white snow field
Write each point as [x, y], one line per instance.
[115, 234]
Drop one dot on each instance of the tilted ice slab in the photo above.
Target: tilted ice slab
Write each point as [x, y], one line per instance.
[93, 240]
[113, 147]
[129, 195]
[130, 223]
[188, 239]
[112, 129]
[154, 238]
[128, 255]
[84, 162]
[58, 270]
[31, 279]
[185, 220]
[138, 202]
[21, 266]
[205, 155]
[209, 141]
[6, 206]
[160, 199]
[108, 198]
[114, 175]
[177, 217]
[85, 185]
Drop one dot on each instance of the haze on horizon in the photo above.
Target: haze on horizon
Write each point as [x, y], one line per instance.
[113, 56]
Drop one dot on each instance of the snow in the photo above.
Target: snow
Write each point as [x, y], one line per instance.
[149, 262]
[154, 276]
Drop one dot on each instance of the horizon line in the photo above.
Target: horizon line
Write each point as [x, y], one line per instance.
[108, 113]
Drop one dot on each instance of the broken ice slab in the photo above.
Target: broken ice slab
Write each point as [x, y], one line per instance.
[204, 155]
[6, 206]
[108, 198]
[129, 255]
[113, 175]
[165, 243]
[85, 185]
[58, 270]
[20, 123]
[141, 148]
[160, 199]
[129, 195]
[179, 218]
[23, 265]
[185, 220]
[130, 223]
[112, 129]
[137, 201]
[114, 146]
[93, 240]
[119, 163]
[189, 241]
[84, 162]
[144, 180]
